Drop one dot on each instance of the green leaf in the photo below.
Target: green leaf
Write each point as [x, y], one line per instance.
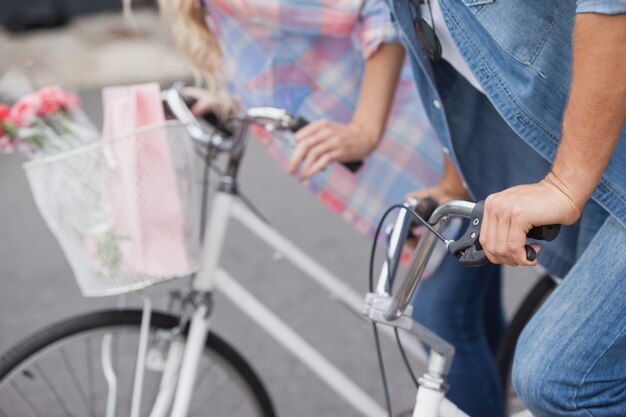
[8, 127]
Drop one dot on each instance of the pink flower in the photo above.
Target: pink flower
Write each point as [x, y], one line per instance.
[4, 111]
[4, 114]
[54, 98]
[71, 100]
[24, 111]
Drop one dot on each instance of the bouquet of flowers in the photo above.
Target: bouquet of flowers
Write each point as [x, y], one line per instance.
[44, 123]
[122, 204]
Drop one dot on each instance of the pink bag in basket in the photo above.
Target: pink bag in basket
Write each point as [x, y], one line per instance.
[144, 195]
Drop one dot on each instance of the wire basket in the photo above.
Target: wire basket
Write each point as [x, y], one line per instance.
[126, 210]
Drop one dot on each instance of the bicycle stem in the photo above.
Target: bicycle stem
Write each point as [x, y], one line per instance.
[402, 297]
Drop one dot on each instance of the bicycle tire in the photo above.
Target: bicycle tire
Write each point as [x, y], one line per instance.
[529, 306]
[18, 356]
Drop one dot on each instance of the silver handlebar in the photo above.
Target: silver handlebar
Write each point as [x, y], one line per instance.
[402, 296]
[174, 99]
[271, 118]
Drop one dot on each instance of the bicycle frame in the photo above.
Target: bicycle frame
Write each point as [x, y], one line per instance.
[226, 206]
[177, 385]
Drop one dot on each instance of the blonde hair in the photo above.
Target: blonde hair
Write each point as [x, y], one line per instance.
[194, 39]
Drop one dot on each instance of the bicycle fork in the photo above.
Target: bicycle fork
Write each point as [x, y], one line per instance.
[201, 299]
[183, 357]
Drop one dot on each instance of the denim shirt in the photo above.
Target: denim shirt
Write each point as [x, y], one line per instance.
[521, 53]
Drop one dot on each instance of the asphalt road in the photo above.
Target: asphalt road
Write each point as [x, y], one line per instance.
[37, 287]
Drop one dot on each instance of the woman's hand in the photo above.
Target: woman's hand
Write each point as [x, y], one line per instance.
[219, 102]
[322, 142]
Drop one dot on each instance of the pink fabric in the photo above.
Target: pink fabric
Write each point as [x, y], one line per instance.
[148, 213]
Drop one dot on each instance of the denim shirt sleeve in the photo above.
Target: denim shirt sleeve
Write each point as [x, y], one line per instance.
[601, 6]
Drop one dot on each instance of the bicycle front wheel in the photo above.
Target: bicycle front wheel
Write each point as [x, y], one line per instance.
[63, 370]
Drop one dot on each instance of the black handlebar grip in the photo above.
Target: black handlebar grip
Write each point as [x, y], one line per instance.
[531, 254]
[210, 117]
[299, 122]
[548, 232]
[353, 166]
[190, 101]
[425, 208]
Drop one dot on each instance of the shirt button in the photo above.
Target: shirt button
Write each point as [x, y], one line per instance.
[437, 104]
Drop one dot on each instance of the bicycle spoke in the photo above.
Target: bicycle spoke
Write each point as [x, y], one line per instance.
[38, 387]
[54, 392]
[25, 399]
[208, 399]
[116, 361]
[203, 373]
[206, 368]
[156, 388]
[88, 349]
[74, 377]
[235, 407]
[131, 378]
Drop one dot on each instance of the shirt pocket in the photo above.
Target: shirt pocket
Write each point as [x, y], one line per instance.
[520, 28]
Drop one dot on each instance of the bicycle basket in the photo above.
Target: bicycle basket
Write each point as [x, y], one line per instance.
[124, 210]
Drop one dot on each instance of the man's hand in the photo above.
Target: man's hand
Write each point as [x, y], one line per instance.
[510, 214]
[322, 142]
[593, 120]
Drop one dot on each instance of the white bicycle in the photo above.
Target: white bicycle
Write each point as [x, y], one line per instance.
[142, 362]
[390, 306]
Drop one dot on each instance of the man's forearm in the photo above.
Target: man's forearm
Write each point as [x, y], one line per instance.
[596, 109]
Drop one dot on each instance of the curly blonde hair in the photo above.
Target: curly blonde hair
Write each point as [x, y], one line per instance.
[194, 39]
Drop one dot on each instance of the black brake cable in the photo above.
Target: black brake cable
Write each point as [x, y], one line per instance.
[405, 358]
[371, 288]
[381, 365]
[379, 228]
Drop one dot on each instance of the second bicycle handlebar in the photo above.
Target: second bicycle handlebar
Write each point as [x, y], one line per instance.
[225, 138]
[467, 249]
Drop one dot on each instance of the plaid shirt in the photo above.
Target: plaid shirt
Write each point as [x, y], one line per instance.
[308, 57]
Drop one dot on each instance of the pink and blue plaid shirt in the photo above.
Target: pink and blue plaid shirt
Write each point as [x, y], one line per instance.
[308, 57]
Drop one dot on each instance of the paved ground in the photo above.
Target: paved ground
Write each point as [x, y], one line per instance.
[97, 50]
[38, 288]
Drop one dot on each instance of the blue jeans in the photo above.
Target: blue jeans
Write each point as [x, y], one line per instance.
[571, 358]
[463, 306]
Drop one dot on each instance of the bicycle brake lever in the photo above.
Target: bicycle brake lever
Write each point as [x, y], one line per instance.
[467, 248]
[469, 251]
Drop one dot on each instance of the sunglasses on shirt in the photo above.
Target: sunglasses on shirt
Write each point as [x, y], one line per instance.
[425, 32]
